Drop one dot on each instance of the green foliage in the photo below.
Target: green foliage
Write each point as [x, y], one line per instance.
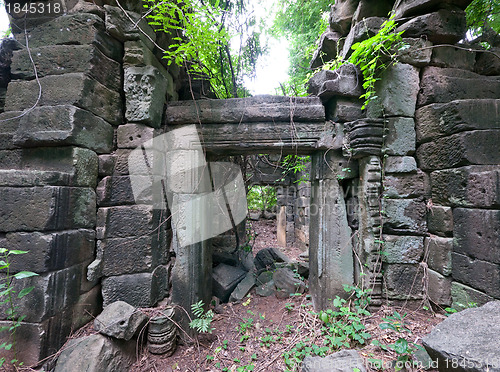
[296, 164]
[301, 22]
[482, 14]
[261, 198]
[202, 35]
[7, 297]
[203, 321]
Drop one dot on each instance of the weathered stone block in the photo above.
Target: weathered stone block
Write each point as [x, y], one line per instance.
[46, 208]
[403, 249]
[442, 119]
[130, 136]
[463, 295]
[440, 220]
[130, 26]
[106, 165]
[243, 288]
[329, 43]
[341, 361]
[75, 29]
[439, 254]
[49, 251]
[287, 283]
[52, 293]
[407, 185]
[345, 81]
[441, 27]
[145, 93]
[414, 7]
[121, 222]
[439, 288]
[401, 137]
[452, 57]
[400, 164]
[126, 255]
[62, 59]
[117, 190]
[96, 353]
[138, 290]
[404, 281]
[488, 63]
[10, 123]
[404, 216]
[367, 8]
[341, 15]
[475, 147]
[397, 92]
[68, 89]
[418, 52]
[478, 274]
[225, 278]
[64, 125]
[268, 257]
[343, 110]
[65, 166]
[476, 233]
[262, 108]
[362, 30]
[471, 186]
[120, 320]
[443, 85]
[88, 306]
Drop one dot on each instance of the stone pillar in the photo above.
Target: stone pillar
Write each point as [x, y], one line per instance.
[330, 246]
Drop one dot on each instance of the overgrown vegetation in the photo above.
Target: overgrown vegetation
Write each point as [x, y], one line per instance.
[203, 319]
[8, 297]
[483, 20]
[261, 198]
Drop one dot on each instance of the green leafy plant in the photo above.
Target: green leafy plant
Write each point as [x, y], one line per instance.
[203, 321]
[296, 164]
[8, 296]
[261, 197]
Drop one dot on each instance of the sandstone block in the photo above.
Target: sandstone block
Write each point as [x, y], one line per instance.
[439, 254]
[106, 165]
[400, 164]
[440, 220]
[88, 306]
[481, 275]
[362, 30]
[145, 92]
[130, 136]
[441, 27]
[75, 29]
[287, 283]
[120, 320]
[404, 281]
[117, 190]
[50, 251]
[418, 52]
[69, 89]
[243, 288]
[138, 290]
[343, 110]
[403, 249]
[407, 185]
[442, 85]
[64, 125]
[439, 288]
[62, 59]
[487, 63]
[328, 44]
[452, 57]
[46, 208]
[401, 137]
[341, 361]
[476, 233]
[341, 15]
[413, 7]
[345, 81]
[65, 166]
[475, 147]
[404, 215]
[121, 222]
[471, 186]
[225, 278]
[126, 26]
[397, 92]
[463, 295]
[442, 119]
[10, 123]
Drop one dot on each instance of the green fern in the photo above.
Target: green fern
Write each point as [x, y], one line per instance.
[203, 321]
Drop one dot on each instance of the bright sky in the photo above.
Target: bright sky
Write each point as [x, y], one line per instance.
[271, 69]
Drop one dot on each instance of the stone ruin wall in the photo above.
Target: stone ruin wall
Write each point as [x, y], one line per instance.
[65, 194]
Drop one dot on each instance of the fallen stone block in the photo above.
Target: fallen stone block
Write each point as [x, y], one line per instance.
[68, 89]
[463, 340]
[225, 278]
[443, 85]
[475, 233]
[48, 166]
[96, 353]
[120, 320]
[243, 288]
[481, 275]
[442, 119]
[329, 43]
[74, 29]
[266, 289]
[342, 361]
[64, 125]
[268, 257]
[46, 208]
[467, 148]
[471, 186]
[62, 59]
[441, 27]
[439, 254]
[403, 249]
[287, 283]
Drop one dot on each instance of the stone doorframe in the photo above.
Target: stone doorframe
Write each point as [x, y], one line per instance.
[270, 124]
